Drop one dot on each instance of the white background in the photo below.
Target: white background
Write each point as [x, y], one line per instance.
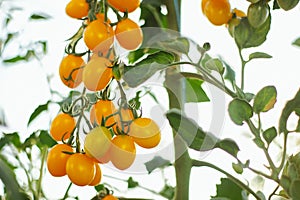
[23, 87]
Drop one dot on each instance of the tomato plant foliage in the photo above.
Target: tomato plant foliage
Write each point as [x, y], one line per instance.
[101, 126]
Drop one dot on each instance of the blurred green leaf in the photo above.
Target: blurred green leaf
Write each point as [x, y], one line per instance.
[39, 16]
[45, 139]
[134, 56]
[190, 132]
[12, 187]
[99, 187]
[194, 91]
[41, 108]
[265, 99]
[15, 59]
[132, 183]
[256, 55]
[270, 134]
[156, 162]
[229, 190]
[294, 189]
[290, 107]
[168, 192]
[10, 138]
[239, 111]
[296, 42]
[141, 71]
[178, 45]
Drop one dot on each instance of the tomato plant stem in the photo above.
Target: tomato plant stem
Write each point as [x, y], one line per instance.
[39, 183]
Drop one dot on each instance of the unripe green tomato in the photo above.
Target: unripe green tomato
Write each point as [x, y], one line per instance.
[258, 13]
[287, 4]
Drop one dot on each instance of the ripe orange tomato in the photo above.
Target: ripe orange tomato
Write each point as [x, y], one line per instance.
[97, 74]
[98, 35]
[70, 70]
[110, 197]
[80, 169]
[102, 109]
[56, 159]
[77, 8]
[97, 177]
[218, 12]
[124, 5]
[62, 126]
[203, 4]
[129, 34]
[145, 132]
[122, 152]
[97, 142]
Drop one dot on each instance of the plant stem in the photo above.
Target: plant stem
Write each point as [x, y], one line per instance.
[243, 70]
[39, 184]
[283, 152]
[66, 195]
[197, 163]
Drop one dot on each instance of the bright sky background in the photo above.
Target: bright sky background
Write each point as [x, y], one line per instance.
[23, 87]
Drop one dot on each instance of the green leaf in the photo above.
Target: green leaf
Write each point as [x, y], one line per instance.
[45, 139]
[190, 132]
[239, 111]
[194, 91]
[141, 71]
[294, 189]
[178, 45]
[270, 134]
[247, 36]
[265, 99]
[229, 146]
[290, 106]
[229, 73]
[132, 183]
[287, 4]
[168, 192]
[38, 111]
[12, 187]
[15, 59]
[215, 64]
[228, 189]
[10, 138]
[134, 56]
[259, 55]
[151, 13]
[156, 162]
[99, 187]
[39, 16]
[238, 168]
[296, 42]
[2, 118]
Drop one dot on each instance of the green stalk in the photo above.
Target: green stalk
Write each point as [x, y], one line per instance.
[175, 88]
[39, 183]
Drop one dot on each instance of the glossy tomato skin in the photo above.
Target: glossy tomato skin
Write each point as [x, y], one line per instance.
[145, 132]
[97, 74]
[122, 152]
[70, 70]
[110, 197]
[62, 126]
[98, 36]
[98, 175]
[57, 159]
[77, 9]
[80, 169]
[218, 12]
[124, 5]
[129, 34]
[102, 109]
[97, 142]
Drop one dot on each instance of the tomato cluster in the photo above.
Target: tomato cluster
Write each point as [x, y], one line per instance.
[117, 142]
[114, 129]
